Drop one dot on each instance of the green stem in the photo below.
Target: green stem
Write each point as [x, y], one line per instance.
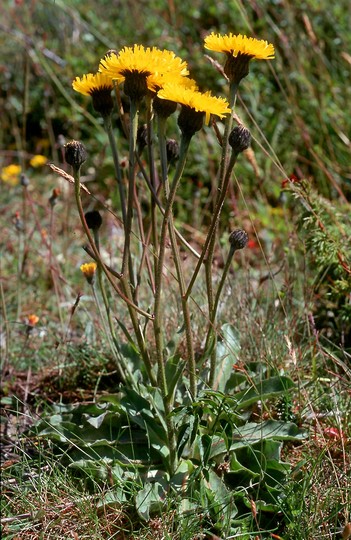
[134, 114]
[122, 366]
[126, 294]
[211, 333]
[150, 150]
[145, 243]
[112, 141]
[107, 332]
[158, 315]
[222, 191]
[175, 251]
[158, 202]
[129, 302]
[158, 319]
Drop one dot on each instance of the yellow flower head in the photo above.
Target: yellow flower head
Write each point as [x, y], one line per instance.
[38, 161]
[202, 102]
[11, 174]
[141, 69]
[231, 44]
[239, 50]
[99, 87]
[92, 83]
[89, 270]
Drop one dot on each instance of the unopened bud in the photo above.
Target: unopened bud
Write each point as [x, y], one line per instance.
[172, 149]
[93, 219]
[24, 180]
[142, 137]
[239, 139]
[54, 196]
[238, 239]
[75, 154]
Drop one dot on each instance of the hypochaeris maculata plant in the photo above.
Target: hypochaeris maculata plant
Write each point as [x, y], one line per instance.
[179, 413]
[156, 83]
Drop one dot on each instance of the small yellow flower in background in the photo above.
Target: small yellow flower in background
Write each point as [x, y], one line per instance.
[38, 161]
[239, 50]
[89, 270]
[202, 102]
[32, 320]
[141, 69]
[235, 44]
[11, 174]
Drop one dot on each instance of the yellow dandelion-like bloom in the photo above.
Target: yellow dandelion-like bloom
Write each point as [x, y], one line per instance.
[99, 87]
[239, 50]
[157, 81]
[38, 161]
[89, 270]
[235, 44]
[142, 69]
[202, 102]
[11, 174]
[91, 83]
[165, 107]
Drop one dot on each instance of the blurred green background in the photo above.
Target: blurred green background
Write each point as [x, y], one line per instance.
[295, 105]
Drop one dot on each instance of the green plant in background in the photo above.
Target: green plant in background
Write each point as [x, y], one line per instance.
[326, 233]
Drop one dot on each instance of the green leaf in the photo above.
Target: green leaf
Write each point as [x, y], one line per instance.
[220, 500]
[264, 389]
[150, 500]
[174, 369]
[252, 433]
[139, 411]
[227, 353]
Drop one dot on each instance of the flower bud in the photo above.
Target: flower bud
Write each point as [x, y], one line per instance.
[172, 149]
[54, 196]
[93, 219]
[24, 180]
[141, 138]
[238, 239]
[239, 139]
[75, 154]
[89, 270]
